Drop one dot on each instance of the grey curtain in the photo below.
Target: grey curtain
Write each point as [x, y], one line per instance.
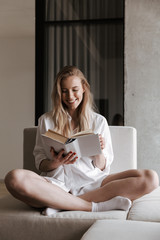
[88, 34]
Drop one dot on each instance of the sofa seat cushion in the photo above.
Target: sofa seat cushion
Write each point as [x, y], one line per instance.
[117, 214]
[146, 208]
[11, 206]
[19, 221]
[119, 229]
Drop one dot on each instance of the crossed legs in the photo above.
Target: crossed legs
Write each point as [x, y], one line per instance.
[35, 191]
[131, 184]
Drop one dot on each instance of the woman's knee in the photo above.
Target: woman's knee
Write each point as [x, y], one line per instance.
[151, 180]
[14, 180]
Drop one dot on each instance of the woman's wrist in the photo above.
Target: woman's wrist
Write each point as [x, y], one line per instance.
[99, 161]
[48, 165]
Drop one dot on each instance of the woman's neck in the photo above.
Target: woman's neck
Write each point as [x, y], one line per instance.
[73, 114]
[74, 121]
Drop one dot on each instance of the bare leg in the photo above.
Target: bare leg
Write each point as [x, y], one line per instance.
[35, 191]
[131, 184]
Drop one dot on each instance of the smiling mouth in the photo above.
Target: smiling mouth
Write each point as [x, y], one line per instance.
[71, 102]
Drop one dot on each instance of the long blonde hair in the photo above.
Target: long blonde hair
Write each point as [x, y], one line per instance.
[60, 114]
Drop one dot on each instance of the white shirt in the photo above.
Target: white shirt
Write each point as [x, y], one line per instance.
[81, 176]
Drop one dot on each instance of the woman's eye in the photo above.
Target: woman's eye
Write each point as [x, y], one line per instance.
[64, 91]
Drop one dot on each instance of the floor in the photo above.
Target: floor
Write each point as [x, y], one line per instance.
[3, 190]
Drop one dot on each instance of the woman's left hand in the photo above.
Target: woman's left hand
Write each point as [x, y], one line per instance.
[99, 160]
[102, 141]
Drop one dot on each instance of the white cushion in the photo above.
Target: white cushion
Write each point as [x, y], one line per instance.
[116, 214]
[124, 141]
[115, 230]
[146, 208]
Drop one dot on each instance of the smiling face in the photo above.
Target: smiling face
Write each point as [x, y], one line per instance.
[72, 93]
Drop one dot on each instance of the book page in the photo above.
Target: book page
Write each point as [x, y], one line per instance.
[86, 132]
[53, 143]
[58, 146]
[56, 136]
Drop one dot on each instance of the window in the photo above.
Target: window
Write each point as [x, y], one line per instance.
[85, 33]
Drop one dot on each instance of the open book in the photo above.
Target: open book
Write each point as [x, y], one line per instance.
[84, 143]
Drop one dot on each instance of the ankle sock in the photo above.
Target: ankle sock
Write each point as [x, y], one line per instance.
[50, 211]
[116, 203]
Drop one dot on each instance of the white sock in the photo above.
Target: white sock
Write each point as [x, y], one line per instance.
[50, 211]
[116, 203]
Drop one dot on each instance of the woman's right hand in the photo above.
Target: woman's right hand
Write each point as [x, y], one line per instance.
[61, 159]
[58, 159]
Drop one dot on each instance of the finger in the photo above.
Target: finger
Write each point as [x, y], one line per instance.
[102, 142]
[72, 161]
[52, 151]
[100, 135]
[69, 157]
[101, 139]
[102, 146]
[60, 154]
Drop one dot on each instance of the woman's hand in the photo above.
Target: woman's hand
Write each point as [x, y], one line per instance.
[102, 141]
[99, 160]
[58, 159]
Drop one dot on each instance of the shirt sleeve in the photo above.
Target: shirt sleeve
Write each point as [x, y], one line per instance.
[39, 149]
[108, 150]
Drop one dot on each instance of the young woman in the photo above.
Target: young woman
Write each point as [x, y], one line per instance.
[68, 182]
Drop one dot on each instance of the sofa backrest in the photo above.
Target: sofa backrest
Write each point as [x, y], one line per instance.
[29, 138]
[124, 141]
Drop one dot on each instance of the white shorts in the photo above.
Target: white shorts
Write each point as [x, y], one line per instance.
[58, 183]
[76, 192]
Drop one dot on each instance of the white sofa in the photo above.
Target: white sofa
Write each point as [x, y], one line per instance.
[19, 221]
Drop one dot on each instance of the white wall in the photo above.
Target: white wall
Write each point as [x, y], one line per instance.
[142, 78]
[17, 79]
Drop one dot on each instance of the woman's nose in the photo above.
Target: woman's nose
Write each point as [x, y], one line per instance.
[70, 94]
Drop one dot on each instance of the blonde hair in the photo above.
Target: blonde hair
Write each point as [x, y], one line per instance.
[60, 114]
